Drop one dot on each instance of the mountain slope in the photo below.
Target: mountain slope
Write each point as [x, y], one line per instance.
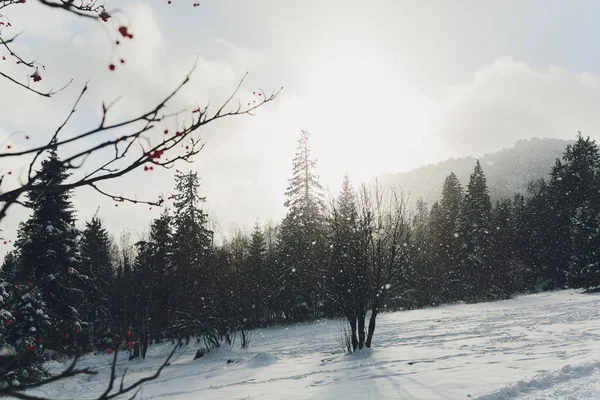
[508, 171]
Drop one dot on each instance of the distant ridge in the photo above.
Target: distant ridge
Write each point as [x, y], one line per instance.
[508, 171]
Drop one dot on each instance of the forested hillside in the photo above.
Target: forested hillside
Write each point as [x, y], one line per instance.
[508, 171]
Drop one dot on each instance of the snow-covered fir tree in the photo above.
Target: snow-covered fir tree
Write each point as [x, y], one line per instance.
[25, 327]
[48, 255]
[96, 264]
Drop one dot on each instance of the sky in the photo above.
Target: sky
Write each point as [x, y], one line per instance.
[383, 87]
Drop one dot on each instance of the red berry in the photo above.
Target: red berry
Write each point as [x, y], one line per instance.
[77, 330]
[10, 172]
[40, 341]
[67, 336]
[122, 61]
[104, 16]
[109, 351]
[111, 67]
[166, 131]
[27, 137]
[31, 348]
[36, 76]
[8, 322]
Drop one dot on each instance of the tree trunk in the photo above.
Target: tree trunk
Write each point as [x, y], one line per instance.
[352, 320]
[136, 351]
[371, 328]
[361, 330]
[144, 344]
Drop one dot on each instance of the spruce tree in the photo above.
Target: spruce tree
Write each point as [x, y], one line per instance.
[301, 244]
[25, 326]
[96, 263]
[420, 277]
[446, 243]
[503, 273]
[577, 200]
[48, 256]
[475, 228]
[192, 242]
[158, 295]
[258, 276]
[10, 266]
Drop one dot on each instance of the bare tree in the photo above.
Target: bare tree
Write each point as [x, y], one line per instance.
[133, 148]
[385, 228]
[370, 234]
[130, 149]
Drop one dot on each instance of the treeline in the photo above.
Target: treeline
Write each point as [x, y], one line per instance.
[355, 255]
[466, 250]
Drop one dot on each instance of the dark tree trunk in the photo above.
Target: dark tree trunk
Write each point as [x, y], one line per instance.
[371, 327]
[352, 320]
[144, 345]
[361, 330]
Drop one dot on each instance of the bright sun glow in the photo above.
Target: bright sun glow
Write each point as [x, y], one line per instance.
[369, 118]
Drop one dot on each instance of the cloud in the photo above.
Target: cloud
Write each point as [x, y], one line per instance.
[509, 100]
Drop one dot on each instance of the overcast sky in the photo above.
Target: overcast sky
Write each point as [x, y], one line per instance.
[383, 86]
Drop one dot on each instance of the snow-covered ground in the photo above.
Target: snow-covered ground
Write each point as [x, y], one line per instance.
[544, 346]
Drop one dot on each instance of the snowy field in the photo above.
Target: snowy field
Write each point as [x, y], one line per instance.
[544, 346]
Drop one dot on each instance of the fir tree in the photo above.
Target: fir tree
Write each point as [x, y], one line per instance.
[421, 278]
[97, 265]
[503, 272]
[258, 276]
[475, 237]
[192, 243]
[445, 222]
[301, 241]
[9, 267]
[25, 328]
[48, 256]
[163, 296]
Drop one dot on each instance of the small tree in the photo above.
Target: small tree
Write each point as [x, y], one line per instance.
[385, 230]
[26, 326]
[369, 255]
